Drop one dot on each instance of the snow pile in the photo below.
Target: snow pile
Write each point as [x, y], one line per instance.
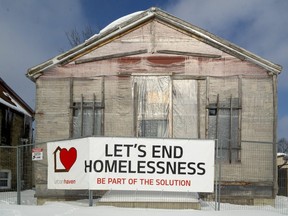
[116, 23]
[120, 20]
[14, 105]
[148, 196]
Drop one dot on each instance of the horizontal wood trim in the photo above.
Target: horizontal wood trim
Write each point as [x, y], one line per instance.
[203, 55]
[117, 55]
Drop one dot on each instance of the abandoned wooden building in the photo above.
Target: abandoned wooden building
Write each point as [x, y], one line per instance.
[150, 74]
[16, 119]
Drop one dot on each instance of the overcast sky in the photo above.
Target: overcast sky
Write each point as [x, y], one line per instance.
[32, 31]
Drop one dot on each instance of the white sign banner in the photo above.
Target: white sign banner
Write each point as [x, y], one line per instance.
[114, 163]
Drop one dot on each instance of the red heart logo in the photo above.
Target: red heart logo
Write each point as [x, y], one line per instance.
[68, 158]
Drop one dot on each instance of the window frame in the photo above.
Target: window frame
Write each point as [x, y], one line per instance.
[8, 179]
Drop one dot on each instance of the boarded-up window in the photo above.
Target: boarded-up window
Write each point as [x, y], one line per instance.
[224, 126]
[87, 119]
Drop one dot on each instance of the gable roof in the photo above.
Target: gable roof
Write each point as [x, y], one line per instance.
[10, 99]
[128, 22]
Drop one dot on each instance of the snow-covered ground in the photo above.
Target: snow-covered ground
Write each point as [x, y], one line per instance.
[8, 207]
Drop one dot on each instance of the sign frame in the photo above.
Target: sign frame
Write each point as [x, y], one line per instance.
[120, 163]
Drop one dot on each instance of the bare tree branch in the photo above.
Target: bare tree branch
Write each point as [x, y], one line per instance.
[76, 37]
[283, 145]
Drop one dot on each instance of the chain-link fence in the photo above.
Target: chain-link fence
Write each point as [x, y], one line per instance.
[16, 172]
[18, 175]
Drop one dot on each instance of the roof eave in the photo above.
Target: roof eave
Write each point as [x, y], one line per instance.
[25, 106]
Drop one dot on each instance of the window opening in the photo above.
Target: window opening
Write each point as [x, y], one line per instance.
[152, 103]
[87, 118]
[223, 125]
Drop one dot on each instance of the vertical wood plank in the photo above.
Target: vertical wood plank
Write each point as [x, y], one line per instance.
[198, 109]
[135, 109]
[93, 114]
[103, 105]
[207, 104]
[170, 121]
[275, 123]
[81, 113]
[240, 101]
[230, 131]
[71, 85]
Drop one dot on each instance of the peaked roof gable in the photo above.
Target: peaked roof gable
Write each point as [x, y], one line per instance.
[10, 99]
[126, 23]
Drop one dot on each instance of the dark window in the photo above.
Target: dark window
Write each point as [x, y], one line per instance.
[212, 111]
[5, 179]
[6, 126]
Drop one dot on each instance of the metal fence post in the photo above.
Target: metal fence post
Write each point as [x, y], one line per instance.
[90, 197]
[18, 162]
[219, 177]
[216, 175]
